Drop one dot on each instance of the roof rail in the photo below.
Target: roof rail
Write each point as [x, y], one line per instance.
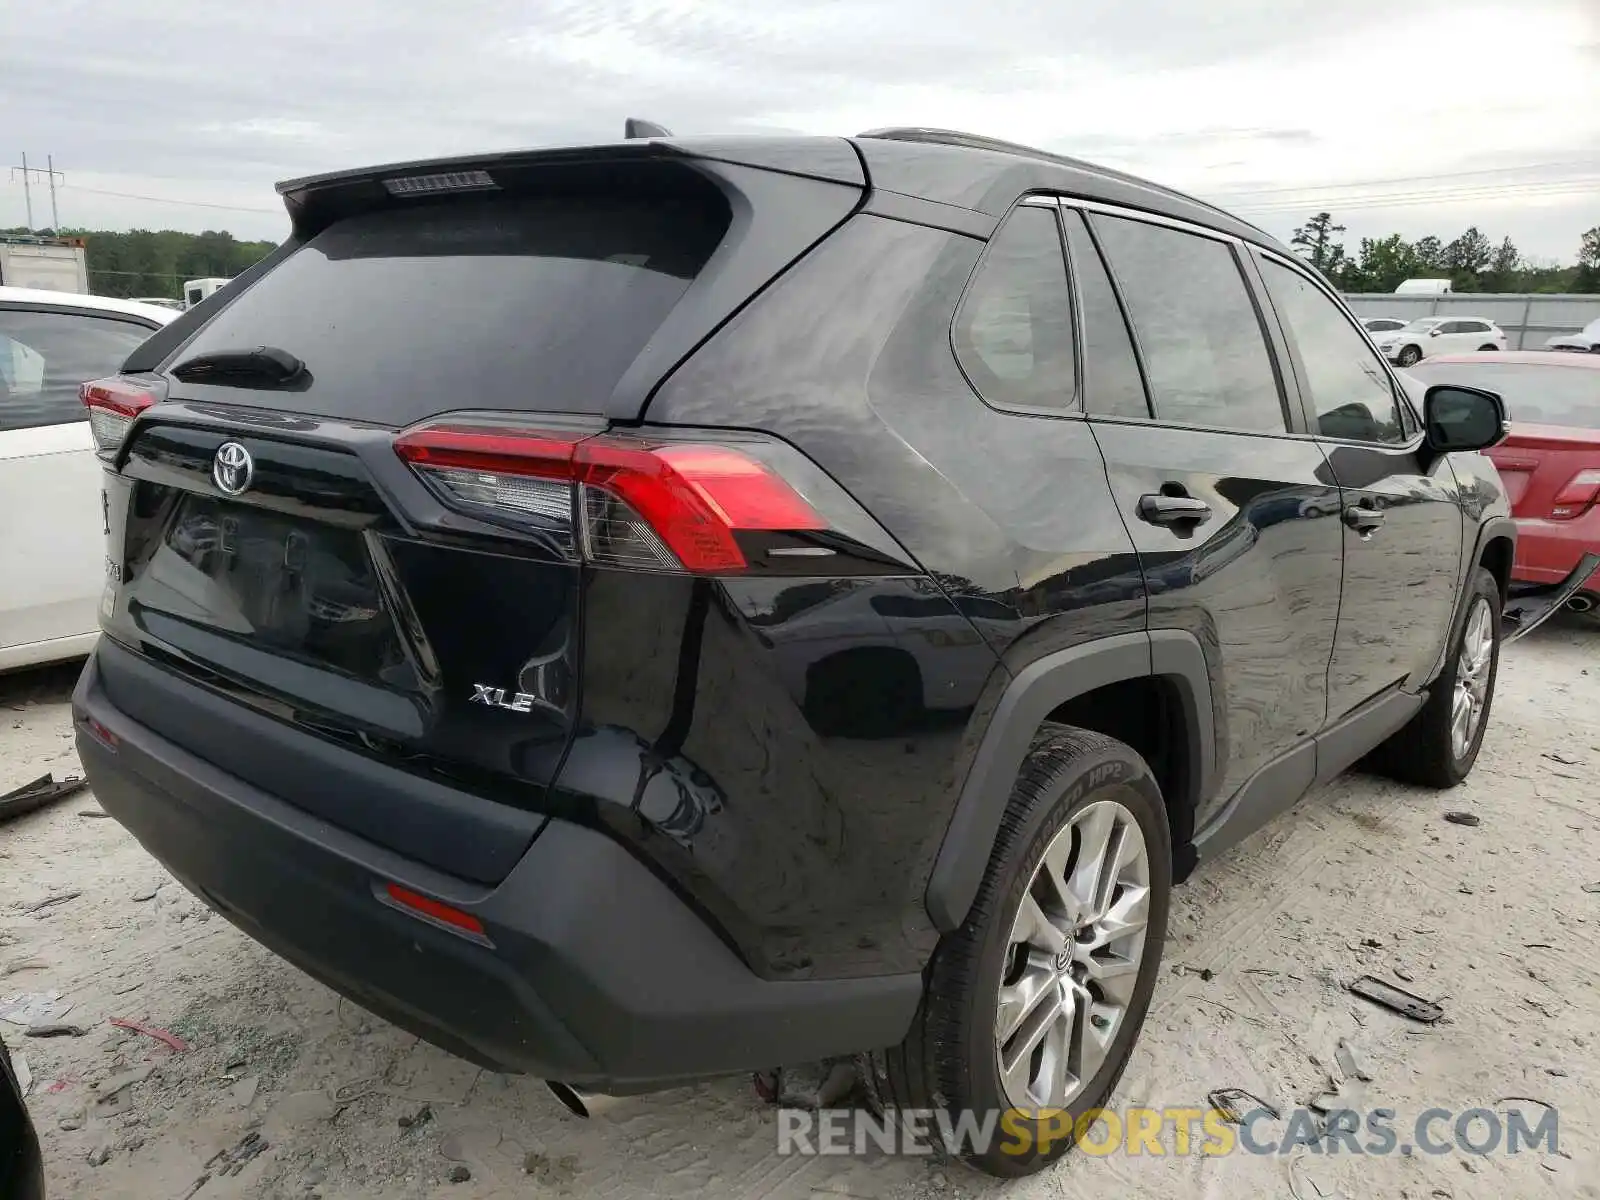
[977, 141]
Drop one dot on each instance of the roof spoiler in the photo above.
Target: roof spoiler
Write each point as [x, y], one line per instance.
[638, 127]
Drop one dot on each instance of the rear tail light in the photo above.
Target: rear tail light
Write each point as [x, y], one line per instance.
[674, 502]
[1579, 494]
[114, 402]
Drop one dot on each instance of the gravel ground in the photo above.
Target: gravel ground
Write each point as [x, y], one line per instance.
[1491, 920]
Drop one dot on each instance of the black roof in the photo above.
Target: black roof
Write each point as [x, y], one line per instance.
[988, 174]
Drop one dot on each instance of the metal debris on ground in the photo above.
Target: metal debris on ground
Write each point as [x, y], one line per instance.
[1397, 999]
[1345, 1055]
[51, 1029]
[161, 1035]
[93, 812]
[1592, 888]
[234, 1159]
[37, 793]
[1557, 756]
[1235, 1104]
[52, 900]
[1462, 818]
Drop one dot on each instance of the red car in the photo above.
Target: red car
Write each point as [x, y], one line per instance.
[1550, 462]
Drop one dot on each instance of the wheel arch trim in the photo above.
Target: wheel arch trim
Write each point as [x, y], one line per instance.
[1037, 690]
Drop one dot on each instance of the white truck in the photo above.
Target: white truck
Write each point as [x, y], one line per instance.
[45, 264]
[196, 290]
[1424, 287]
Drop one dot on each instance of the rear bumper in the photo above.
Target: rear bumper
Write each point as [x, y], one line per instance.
[1547, 551]
[598, 975]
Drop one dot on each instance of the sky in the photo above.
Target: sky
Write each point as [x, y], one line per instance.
[1398, 116]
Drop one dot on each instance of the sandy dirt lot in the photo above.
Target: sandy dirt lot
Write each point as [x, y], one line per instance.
[1492, 921]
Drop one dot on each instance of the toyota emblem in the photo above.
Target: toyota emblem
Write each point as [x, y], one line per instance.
[232, 469]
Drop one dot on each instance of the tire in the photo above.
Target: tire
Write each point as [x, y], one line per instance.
[1491, 346]
[1410, 356]
[1072, 785]
[1426, 752]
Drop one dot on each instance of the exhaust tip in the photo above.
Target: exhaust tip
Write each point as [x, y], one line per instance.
[1581, 603]
[569, 1097]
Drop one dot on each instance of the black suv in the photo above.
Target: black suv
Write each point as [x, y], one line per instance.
[646, 611]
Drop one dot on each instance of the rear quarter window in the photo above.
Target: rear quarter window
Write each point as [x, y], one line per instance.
[519, 303]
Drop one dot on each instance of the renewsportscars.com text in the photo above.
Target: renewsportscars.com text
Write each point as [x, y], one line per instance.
[1175, 1131]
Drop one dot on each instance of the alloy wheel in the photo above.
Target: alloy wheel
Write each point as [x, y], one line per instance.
[1073, 957]
[1473, 668]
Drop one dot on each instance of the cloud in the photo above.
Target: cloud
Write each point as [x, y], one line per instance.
[190, 100]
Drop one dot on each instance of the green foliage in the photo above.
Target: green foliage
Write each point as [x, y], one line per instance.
[1471, 262]
[144, 262]
[1588, 279]
[1315, 241]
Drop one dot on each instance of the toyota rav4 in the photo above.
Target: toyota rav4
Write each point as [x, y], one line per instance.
[641, 612]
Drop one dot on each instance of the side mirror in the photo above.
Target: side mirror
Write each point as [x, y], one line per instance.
[1462, 418]
[1434, 332]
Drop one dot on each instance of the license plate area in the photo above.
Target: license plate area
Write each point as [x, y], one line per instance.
[289, 586]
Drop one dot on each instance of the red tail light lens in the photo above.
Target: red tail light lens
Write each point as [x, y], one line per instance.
[434, 911]
[114, 402]
[1579, 494]
[632, 500]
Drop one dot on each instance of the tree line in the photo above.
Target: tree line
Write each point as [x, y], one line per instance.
[1471, 262]
[155, 262]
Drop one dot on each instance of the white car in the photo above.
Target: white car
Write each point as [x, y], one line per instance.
[52, 536]
[1377, 325]
[1427, 336]
[1586, 341]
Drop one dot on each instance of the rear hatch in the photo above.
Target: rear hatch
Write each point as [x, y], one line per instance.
[279, 541]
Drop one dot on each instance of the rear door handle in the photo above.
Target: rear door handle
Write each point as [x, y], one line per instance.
[1173, 510]
[1365, 521]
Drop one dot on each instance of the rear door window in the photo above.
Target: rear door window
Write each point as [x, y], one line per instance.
[1013, 331]
[1205, 355]
[519, 303]
[44, 356]
[1112, 385]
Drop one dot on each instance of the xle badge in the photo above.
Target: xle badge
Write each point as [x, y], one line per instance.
[494, 697]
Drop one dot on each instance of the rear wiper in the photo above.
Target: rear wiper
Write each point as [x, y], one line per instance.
[264, 366]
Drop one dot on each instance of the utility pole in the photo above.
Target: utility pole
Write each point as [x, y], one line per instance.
[51, 175]
[27, 194]
[55, 217]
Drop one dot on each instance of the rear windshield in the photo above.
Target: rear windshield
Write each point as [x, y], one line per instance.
[498, 302]
[1534, 394]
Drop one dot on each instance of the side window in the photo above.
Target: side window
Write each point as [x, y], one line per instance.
[1013, 331]
[1351, 392]
[1112, 385]
[1204, 352]
[44, 356]
[1452, 327]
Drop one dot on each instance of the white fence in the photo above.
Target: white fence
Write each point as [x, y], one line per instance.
[1529, 320]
